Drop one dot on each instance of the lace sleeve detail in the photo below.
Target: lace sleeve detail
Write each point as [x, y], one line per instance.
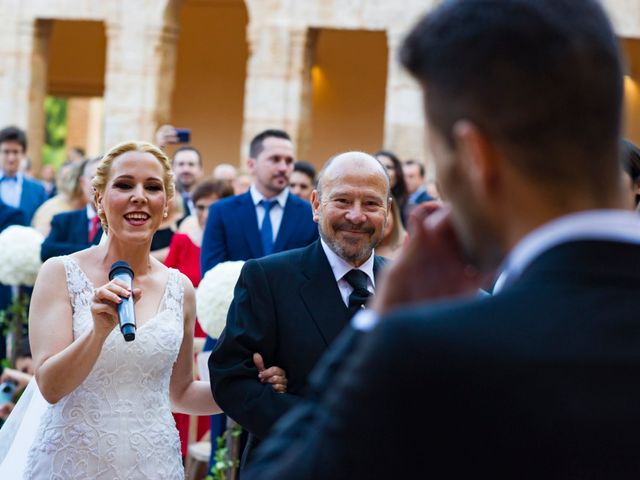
[80, 289]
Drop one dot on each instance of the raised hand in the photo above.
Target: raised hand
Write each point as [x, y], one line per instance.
[166, 135]
[431, 265]
[273, 375]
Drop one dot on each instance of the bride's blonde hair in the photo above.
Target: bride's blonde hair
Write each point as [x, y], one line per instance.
[99, 182]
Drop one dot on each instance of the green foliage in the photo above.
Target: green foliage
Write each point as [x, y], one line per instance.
[55, 132]
[13, 321]
[223, 463]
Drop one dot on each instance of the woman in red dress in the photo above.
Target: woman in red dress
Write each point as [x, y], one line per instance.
[184, 254]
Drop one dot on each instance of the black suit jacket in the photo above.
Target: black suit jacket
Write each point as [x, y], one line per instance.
[288, 308]
[539, 381]
[69, 233]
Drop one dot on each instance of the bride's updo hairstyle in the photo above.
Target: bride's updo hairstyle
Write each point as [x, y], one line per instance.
[99, 182]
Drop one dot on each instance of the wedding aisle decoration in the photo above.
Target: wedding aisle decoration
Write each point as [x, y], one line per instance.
[214, 296]
[19, 266]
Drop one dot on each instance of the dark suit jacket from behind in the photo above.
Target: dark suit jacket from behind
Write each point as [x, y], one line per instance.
[288, 308]
[232, 231]
[69, 233]
[539, 381]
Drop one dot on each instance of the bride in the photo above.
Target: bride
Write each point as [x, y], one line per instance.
[109, 401]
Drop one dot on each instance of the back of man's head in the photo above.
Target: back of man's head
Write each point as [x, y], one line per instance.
[541, 78]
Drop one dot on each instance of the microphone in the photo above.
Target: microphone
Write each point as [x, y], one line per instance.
[123, 272]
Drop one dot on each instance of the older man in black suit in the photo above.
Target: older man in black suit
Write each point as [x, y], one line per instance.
[523, 101]
[291, 306]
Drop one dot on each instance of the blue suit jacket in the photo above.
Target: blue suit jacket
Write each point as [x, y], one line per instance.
[69, 233]
[33, 195]
[232, 230]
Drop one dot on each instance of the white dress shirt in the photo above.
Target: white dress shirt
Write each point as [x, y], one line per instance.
[276, 211]
[11, 190]
[340, 268]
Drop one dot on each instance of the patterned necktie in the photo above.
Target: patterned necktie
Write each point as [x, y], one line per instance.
[358, 280]
[266, 232]
[94, 224]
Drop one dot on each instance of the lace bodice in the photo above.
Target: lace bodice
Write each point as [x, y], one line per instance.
[117, 424]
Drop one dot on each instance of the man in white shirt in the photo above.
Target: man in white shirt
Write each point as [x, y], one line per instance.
[239, 228]
[16, 190]
[523, 100]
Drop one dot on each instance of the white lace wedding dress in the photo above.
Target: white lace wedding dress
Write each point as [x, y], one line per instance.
[117, 424]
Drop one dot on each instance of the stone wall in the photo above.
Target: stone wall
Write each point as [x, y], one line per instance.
[141, 48]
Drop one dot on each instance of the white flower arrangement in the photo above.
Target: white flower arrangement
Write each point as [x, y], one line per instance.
[20, 255]
[214, 296]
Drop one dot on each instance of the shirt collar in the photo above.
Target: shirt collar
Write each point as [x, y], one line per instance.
[257, 197]
[91, 212]
[17, 176]
[612, 225]
[340, 267]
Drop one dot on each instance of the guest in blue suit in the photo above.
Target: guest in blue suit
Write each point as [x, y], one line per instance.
[77, 229]
[16, 190]
[268, 218]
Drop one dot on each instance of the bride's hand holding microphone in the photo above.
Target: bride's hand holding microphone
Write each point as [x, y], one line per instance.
[104, 305]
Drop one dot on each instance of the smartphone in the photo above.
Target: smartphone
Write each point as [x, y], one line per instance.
[183, 134]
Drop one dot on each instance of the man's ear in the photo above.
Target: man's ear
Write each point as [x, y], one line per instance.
[480, 158]
[315, 205]
[251, 165]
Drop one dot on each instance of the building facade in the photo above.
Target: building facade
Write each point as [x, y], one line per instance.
[324, 70]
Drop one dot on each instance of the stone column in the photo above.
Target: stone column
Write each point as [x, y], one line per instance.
[403, 119]
[23, 77]
[140, 79]
[277, 82]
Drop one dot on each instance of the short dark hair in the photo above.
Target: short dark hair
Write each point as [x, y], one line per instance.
[187, 148]
[630, 159]
[221, 188]
[306, 168]
[14, 134]
[80, 151]
[419, 164]
[256, 145]
[542, 78]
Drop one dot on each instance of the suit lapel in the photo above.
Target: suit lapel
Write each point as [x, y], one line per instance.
[378, 263]
[287, 225]
[321, 295]
[25, 196]
[248, 221]
[80, 227]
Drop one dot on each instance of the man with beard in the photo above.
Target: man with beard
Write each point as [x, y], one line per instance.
[523, 102]
[266, 219]
[291, 306]
[187, 168]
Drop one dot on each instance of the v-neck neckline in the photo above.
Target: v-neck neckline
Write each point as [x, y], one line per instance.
[158, 308]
